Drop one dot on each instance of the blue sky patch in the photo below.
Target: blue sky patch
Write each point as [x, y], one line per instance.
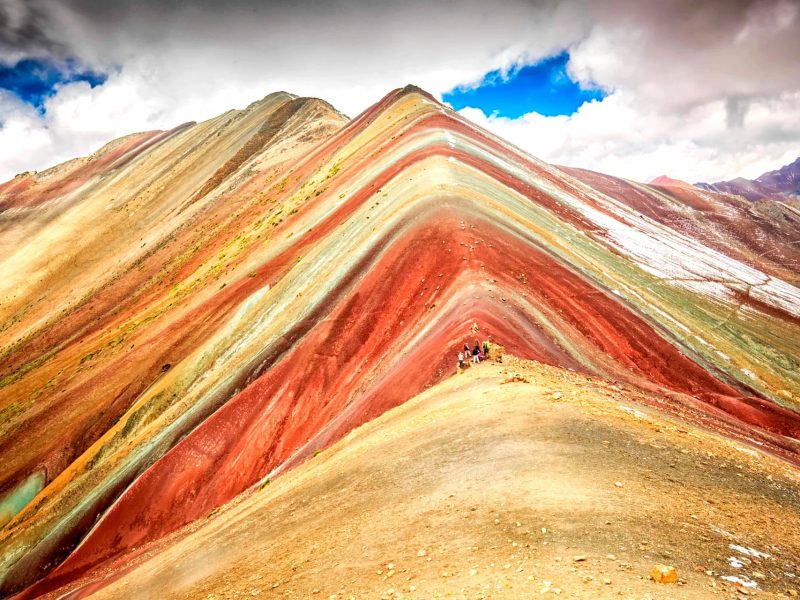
[544, 87]
[33, 80]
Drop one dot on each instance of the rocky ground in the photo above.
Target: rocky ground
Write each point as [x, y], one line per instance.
[509, 480]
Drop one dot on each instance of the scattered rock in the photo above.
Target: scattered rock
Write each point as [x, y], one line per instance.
[579, 557]
[663, 574]
[421, 552]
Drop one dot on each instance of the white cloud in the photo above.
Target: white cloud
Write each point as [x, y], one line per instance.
[699, 91]
[193, 62]
[21, 137]
[621, 136]
[680, 71]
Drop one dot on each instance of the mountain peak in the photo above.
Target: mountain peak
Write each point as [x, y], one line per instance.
[666, 181]
[407, 90]
[271, 97]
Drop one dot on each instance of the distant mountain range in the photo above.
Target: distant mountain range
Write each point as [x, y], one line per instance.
[781, 182]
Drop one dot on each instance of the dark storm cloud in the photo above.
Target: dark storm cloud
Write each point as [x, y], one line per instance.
[102, 29]
[362, 46]
[736, 110]
[739, 47]
[688, 50]
[24, 31]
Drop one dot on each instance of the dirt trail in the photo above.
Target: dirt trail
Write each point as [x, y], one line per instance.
[486, 486]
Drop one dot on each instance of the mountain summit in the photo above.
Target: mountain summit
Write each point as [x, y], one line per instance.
[668, 181]
[192, 316]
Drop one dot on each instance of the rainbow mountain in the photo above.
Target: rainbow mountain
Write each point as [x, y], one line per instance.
[190, 315]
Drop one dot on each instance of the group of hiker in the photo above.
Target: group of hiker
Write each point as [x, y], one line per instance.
[476, 354]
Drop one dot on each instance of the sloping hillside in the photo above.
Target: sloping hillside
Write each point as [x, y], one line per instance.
[505, 481]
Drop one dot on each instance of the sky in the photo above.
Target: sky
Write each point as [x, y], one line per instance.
[700, 91]
[35, 80]
[544, 87]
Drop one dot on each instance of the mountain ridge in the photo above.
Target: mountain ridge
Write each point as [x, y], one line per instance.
[780, 183]
[325, 275]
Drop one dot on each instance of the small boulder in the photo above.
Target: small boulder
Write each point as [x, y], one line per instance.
[663, 574]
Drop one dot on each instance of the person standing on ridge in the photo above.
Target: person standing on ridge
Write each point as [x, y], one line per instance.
[486, 348]
[460, 360]
[476, 353]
